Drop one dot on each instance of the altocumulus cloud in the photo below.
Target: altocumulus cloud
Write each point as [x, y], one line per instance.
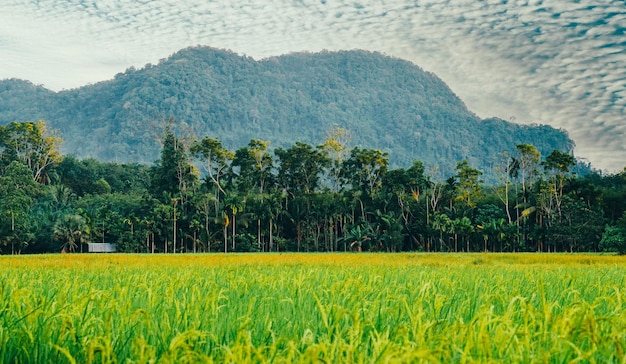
[554, 62]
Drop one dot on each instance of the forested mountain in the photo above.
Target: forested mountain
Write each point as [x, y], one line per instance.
[384, 103]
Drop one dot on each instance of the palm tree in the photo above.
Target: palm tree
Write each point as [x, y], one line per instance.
[233, 205]
[441, 223]
[465, 228]
[195, 225]
[61, 197]
[72, 230]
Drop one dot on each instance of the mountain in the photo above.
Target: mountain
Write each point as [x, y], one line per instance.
[384, 102]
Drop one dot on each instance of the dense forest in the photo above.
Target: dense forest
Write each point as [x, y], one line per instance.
[200, 196]
[385, 103]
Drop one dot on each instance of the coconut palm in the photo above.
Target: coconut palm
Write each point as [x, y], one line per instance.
[71, 230]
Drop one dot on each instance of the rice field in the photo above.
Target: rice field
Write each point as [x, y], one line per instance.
[306, 308]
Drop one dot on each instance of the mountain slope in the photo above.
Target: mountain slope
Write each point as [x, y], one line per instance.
[385, 103]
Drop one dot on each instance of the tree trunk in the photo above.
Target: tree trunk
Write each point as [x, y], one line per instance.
[298, 234]
[233, 237]
[271, 236]
[225, 238]
[174, 240]
[206, 228]
[258, 234]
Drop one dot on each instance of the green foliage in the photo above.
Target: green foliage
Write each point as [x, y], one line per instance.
[17, 193]
[32, 144]
[173, 174]
[468, 186]
[301, 168]
[213, 158]
[614, 240]
[252, 165]
[72, 231]
[301, 199]
[365, 169]
[383, 103]
[559, 161]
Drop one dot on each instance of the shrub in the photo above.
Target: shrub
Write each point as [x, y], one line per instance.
[614, 240]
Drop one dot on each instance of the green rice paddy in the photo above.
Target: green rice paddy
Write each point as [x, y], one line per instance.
[313, 308]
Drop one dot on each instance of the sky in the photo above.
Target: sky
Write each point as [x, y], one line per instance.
[555, 62]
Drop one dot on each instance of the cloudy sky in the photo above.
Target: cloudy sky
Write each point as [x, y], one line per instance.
[556, 62]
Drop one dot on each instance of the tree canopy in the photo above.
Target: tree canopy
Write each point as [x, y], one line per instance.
[200, 196]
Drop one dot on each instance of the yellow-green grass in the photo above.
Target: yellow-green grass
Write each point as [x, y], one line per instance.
[283, 308]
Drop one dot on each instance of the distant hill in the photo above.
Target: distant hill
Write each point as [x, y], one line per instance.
[385, 103]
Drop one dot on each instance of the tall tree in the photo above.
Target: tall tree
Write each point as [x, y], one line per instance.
[252, 166]
[402, 190]
[468, 186]
[174, 181]
[365, 169]
[503, 170]
[32, 144]
[17, 192]
[336, 145]
[173, 173]
[301, 167]
[214, 159]
[251, 176]
[557, 166]
[299, 173]
[525, 167]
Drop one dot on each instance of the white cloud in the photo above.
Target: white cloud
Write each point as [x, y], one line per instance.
[545, 61]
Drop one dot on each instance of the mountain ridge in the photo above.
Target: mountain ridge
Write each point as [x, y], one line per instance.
[384, 102]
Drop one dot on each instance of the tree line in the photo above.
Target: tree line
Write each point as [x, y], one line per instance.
[202, 197]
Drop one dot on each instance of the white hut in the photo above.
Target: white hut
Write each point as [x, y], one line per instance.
[101, 248]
